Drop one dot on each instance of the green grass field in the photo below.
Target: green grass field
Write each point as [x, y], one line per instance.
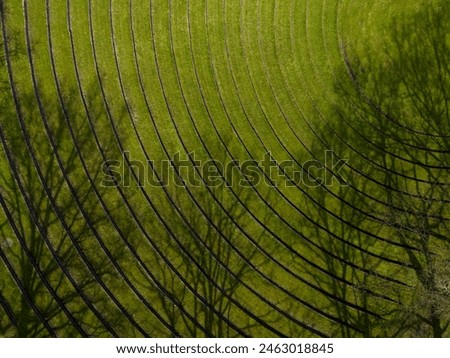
[161, 168]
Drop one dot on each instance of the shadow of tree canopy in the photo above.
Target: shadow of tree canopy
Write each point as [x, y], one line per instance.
[212, 259]
[57, 246]
[79, 259]
[394, 128]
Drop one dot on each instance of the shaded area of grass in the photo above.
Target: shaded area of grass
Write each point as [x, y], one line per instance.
[83, 83]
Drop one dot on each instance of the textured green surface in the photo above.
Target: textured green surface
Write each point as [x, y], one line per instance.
[226, 80]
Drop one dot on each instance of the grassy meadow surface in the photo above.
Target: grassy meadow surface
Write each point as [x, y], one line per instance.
[215, 168]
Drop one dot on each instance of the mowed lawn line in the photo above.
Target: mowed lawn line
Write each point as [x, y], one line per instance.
[193, 100]
[231, 116]
[375, 35]
[257, 53]
[374, 29]
[199, 66]
[175, 123]
[343, 40]
[184, 140]
[98, 114]
[376, 14]
[152, 230]
[10, 248]
[110, 234]
[150, 143]
[155, 246]
[211, 130]
[149, 146]
[380, 169]
[301, 116]
[349, 24]
[121, 290]
[149, 77]
[327, 118]
[330, 102]
[10, 285]
[279, 76]
[121, 21]
[343, 8]
[139, 239]
[219, 134]
[33, 124]
[21, 72]
[224, 46]
[392, 253]
[284, 76]
[316, 31]
[15, 29]
[271, 65]
[322, 24]
[274, 56]
[49, 234]
[197, 117]
[246, 143]
[334, 65]
[355, 30]
[256, 200]
[106, 64]
[249, 143]
[8, 245]
[258, 42]
[203, 66]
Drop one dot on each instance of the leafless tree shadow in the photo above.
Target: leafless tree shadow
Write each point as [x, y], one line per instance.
[51, 218]
[395, 100]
